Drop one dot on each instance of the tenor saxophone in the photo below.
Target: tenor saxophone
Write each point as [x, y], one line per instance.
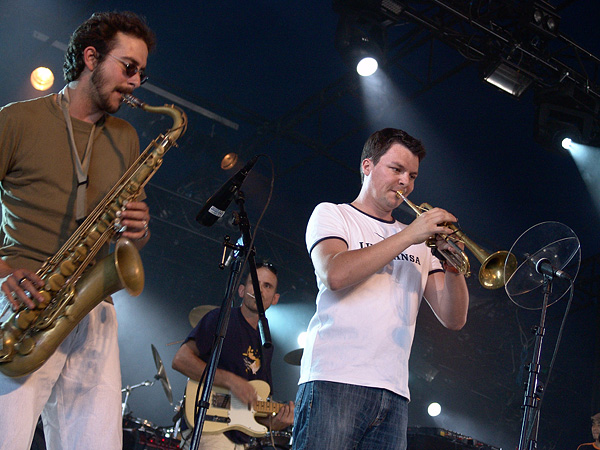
[30, 336]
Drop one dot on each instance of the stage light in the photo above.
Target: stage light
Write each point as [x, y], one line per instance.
[566, 143]
[566, 112]
[434, 409]
[302, 339]
[360, 41]
[508, 77]
[42, 78]
[367, 66]
[229, 161]
[543, 19]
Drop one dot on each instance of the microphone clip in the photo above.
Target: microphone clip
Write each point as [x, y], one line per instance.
[234, 251]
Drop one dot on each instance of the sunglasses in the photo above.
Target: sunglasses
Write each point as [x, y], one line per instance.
[131, 69]
[267, 265]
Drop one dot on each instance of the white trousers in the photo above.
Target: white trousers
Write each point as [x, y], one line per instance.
[77, 392]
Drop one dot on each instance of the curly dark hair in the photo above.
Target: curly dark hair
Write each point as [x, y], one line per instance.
[99, 31]
[381, 141]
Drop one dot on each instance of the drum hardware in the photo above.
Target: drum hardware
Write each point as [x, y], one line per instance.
[141, 434]
[197, 313]
[273, 440]
[161, 375]
[294, 357]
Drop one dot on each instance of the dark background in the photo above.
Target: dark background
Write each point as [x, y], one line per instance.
[270, 73]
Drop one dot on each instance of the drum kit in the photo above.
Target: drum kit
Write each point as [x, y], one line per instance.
[138, 433]
[274, 440]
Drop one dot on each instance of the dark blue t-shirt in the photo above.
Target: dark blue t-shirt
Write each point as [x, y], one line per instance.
[241, 354]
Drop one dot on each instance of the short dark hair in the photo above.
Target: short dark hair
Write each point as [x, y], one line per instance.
[99, 31]
[259, 264]
[381, 141]
[267, 265]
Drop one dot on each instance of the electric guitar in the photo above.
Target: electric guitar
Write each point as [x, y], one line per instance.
[226, 412]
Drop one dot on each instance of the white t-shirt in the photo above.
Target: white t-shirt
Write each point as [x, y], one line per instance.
[363, 334]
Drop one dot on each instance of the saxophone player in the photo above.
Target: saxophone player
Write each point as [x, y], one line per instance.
[59, 155]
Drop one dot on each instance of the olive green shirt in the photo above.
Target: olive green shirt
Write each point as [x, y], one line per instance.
[38, 181]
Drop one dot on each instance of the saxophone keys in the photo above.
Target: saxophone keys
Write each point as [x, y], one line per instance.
[92, 237]
[7, 339]
[24, 318]
[67, 268]
[101, 227]
[26, 346]
[47, 297]
[55, 282]
[80, 252]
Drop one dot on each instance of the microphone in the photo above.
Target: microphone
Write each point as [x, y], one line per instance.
[216, 205]
[544, 267]
[233, 254]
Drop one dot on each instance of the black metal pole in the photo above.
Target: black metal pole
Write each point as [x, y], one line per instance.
[528, 439]
[211, 367]
[244, 224]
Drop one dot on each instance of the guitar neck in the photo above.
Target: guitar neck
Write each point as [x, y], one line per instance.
[267, 407]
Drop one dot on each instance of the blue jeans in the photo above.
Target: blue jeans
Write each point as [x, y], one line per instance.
[337, 416]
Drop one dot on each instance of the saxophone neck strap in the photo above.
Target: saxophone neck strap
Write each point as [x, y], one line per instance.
[81, 164]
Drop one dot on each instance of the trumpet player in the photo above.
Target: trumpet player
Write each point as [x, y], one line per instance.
[372, 273]
[59, 155]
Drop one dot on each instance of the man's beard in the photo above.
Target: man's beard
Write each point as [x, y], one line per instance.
[101, 99]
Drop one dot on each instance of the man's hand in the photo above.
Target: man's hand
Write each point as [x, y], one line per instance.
[135, 217]
[14, 288]
[284, 418]
[242, 389]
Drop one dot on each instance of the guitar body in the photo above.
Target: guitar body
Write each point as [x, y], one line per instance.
[226, 412]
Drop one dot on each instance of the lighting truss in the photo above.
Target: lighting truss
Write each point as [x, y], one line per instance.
[523, 33]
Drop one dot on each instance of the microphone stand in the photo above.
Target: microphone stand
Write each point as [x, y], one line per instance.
[211, 368]
[531, 414]
[244, 224]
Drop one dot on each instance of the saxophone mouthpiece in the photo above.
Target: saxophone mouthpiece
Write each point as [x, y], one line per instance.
[132, 101]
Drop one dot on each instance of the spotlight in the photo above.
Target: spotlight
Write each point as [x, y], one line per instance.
[42, 78]
[367, 66]
[566, 112]
[360, 40]
[434, 409]
[542, 18]
[302, 339]
[508, 77]
[566, 143]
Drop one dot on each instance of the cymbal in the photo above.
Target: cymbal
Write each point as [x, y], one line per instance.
[294, 357]
[161, 374]
[197, 313]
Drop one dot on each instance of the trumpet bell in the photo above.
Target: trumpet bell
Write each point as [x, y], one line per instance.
[496, 269]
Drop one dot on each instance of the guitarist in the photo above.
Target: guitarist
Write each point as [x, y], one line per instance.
[242, 358]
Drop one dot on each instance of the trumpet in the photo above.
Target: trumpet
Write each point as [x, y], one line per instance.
[494, 267]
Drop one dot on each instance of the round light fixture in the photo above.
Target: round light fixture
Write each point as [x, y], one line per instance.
[42, 78]
[229, 160]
